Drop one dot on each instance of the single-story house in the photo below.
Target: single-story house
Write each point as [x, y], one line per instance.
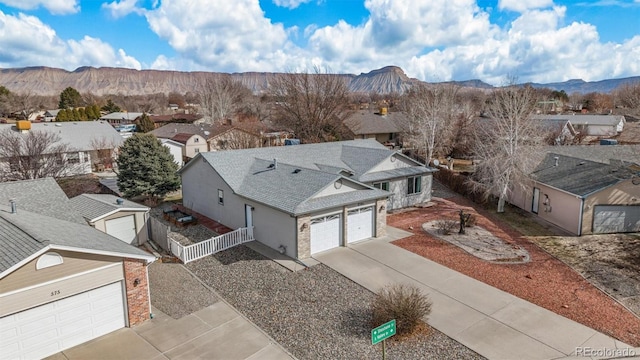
[217, 136]
[561, 131]
[161, 120]
[386, 127]
[121, 218]
[592, 125]
[193, 144]
[92, 144]
[304, 199]
[117, 118]
[62, 282]
[583, 196]
[50, 115]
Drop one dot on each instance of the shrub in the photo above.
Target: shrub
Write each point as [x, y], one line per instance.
[446, 227]
[471, 222]
[406, 304]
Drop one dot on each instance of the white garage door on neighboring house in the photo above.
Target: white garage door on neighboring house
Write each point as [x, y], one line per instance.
[616, 219]
[50, 328]
[359, 224]
[325, 233]
[123, 228]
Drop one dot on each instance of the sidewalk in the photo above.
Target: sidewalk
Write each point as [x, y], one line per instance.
[491, 322]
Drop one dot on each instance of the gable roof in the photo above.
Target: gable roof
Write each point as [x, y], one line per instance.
[600, 153]
[25, 234]
[182, 138]
[578, 176]
[365, 122]
[96, 206]
[611, 120]
[80, 135]
[42, 196]
[130, 116]
[252, 173]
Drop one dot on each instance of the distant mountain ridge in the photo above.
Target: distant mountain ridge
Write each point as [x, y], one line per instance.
[107, 80]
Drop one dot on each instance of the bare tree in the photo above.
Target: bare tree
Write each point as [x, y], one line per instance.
[34, 155]
[629, 96]
[507, 143]
[430, 111]
[220, 97]
[103, 151]
[313, 106]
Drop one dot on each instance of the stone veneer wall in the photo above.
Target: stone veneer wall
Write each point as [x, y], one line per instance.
[304, 236]
[381, 218]
[138, 305]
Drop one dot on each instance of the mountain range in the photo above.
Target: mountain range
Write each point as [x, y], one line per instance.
[107, 80]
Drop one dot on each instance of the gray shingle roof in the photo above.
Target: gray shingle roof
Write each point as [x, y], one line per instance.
[80, 135]
[584, 119]
[42, 196]
[599, 153]
[95, 206]
[578, 176]
[129, 116]
[27, 232]
[247, 172]
[366, 122]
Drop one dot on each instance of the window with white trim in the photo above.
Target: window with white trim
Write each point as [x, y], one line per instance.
[220, 197]
[49, 259]
[382, 185]
[414, 185]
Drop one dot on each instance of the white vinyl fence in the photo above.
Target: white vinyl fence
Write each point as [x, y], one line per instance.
[211, 246]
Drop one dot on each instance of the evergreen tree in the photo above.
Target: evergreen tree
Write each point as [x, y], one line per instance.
[111, 107]
[146, 168]
[62, 116]
[145, 124]
[75, 115]
[82, 114]
[70, 98]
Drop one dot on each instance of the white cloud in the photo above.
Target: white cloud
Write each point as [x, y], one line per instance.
[121, 8]
[291, 4]
[523, 5]
[222, 35]
[26, 41]
[58, 7]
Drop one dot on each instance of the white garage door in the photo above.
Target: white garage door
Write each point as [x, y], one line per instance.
[616, 219]
[325, 233]
[59, 325]
[123, 228]
[359, 224]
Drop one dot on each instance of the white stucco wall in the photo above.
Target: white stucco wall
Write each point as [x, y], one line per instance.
[400, 198]
[200, 184]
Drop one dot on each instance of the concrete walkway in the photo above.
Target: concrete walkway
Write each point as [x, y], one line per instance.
[215, 332]
[491, 322]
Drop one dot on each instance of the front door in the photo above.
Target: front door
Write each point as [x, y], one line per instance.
[536, 200]
[248, 218]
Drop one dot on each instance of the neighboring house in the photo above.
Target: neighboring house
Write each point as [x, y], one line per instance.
[161, 120]
[123, 219]
[118, 118]
[176, 149]
[305, 199]
[583, 196]
[386, 127]
[592, 125]
[561, 131]
[50, 115]
[93, 144]
[62, 282]
[193, 144]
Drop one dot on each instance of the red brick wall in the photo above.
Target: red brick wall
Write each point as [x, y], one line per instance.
[137, 295]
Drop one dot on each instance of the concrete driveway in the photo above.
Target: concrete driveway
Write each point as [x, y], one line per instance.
[215, 332]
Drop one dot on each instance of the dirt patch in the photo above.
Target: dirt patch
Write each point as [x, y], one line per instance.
[544, 281]
[480, 243]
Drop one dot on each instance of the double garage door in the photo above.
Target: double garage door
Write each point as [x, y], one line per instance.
[616, 219]
[59, 325]
[326, 231]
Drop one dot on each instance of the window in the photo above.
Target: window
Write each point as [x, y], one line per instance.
[196, 139]
[382, 185]
[414, 185]
[49, 259]
[197, 150]
[220, 197]
[73, 158]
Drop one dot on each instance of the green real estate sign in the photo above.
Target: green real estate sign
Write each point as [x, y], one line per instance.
[383, 331]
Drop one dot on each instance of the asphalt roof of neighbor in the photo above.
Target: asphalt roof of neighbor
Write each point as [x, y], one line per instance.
[43, 196]
[207, 131]
[95, 206]
[302, 171]
[600, 153]
[584, 119]
[79, 135]
[578, 176]
[364, 122]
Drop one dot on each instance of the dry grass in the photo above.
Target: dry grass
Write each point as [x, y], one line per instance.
[406, 304]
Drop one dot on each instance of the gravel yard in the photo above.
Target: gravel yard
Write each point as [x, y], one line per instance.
[544, 280]
[315, 313]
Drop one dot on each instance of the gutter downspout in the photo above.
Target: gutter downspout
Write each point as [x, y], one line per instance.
[581, 215]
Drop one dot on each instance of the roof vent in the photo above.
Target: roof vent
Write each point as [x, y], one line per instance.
[14, 208]
[556, 159]
[119, 201]
[296, 171]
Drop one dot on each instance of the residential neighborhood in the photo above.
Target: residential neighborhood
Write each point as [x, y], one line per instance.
[254, 232]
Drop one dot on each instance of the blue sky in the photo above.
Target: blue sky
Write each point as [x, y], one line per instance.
[433, 40]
